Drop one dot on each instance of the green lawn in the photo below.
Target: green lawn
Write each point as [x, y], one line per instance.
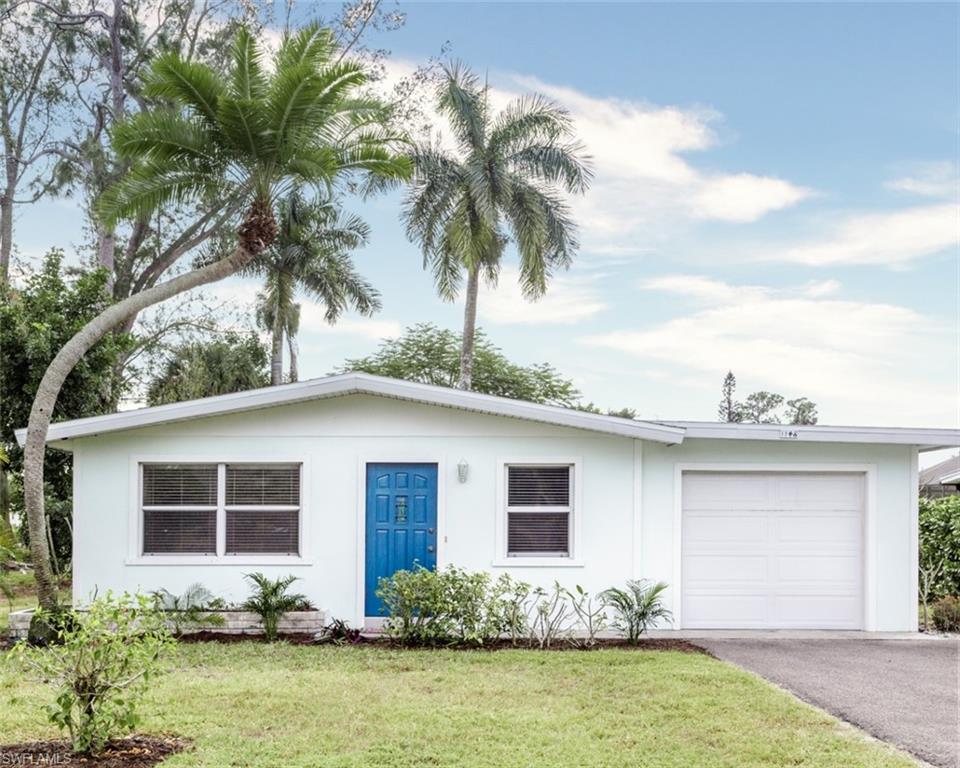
[256, 705]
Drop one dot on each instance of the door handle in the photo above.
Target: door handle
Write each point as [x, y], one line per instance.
[430, 548]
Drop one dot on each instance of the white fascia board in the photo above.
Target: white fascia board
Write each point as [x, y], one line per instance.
[358, 383]
[951, 479]
[924, 439]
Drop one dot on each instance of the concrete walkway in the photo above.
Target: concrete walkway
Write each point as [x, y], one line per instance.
[903, 691]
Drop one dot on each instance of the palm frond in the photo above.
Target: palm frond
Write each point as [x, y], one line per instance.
[564, 164]
[162, 135]
[311, 45]
[529, 119]
[464, 104]
[248, 79]
[187, 83]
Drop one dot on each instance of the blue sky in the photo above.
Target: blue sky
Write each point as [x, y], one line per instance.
[776, 192]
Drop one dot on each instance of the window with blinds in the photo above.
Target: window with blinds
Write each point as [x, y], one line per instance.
[539, 509]
[221, 509]
[263, 509]
[179, 509]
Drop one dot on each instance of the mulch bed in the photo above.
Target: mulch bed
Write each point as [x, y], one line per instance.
[645, 644]
[132, 752]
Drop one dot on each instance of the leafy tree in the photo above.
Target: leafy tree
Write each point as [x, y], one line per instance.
[36, 320]
[760, 407]
[939, 521]
[505, 182]
[729, 410]
[198, 369]
[310, 255]
[431, 355]
[249, 134]
[801, 411]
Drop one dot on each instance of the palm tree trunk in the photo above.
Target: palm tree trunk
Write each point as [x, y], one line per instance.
[469, 328]
[276, 351]
[49, 390]
[292, 348]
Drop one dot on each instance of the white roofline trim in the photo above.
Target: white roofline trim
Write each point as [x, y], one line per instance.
[950, 478]
[925, 439]
[358, 383]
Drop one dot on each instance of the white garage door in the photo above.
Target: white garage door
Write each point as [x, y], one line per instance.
[765, 550]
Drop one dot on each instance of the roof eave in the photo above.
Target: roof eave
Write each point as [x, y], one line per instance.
[347, 384]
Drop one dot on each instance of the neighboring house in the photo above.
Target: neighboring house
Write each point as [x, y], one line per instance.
[342, 480]
[941, 479]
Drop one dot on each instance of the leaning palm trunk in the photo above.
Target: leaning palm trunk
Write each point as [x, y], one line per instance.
[469, 329]
[52, 382]
[292, 349]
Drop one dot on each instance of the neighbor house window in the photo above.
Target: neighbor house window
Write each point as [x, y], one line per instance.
[539, 509]
[221, 509]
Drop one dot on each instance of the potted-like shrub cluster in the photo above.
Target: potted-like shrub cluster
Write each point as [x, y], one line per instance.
[455, 607]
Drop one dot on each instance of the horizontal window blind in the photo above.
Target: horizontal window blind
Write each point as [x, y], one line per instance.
[180, 485]
[258, 505]
[263, 532]
[538, 533]
[277, 485]
[529, 486]
[178, 531]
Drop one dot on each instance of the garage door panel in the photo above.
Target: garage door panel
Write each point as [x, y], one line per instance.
[701, 571]
[812, 491]
[719, 491]
[711, 528]
[818, 611]
[839, 570]
[828, 530]
[791, 558]
[737, 611]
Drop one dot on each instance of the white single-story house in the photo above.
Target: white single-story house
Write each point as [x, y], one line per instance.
[344, 479]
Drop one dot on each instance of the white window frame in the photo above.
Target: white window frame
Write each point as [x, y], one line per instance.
[573, 558]
[136, 555]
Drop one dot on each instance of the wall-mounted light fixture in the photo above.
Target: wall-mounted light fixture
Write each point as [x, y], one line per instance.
[463, 470]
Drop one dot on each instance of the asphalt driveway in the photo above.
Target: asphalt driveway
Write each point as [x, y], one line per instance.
[901, 691]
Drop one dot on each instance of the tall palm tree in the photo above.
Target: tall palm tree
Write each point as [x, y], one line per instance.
[243, 137]
[311, 255]
[505, 183]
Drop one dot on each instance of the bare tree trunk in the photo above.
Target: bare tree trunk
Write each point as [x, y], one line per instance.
[6, 234]
[49, 390]
[292, 347]
[469, 329]
[276, 349]
[6, 524]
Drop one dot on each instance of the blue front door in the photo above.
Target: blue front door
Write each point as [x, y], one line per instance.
[401, 523]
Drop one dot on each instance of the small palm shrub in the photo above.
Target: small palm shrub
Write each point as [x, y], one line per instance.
[101, 666]
[946, 614]
[192, 609]
[271, 601]
[637, 608]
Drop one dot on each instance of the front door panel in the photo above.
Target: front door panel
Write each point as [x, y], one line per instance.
[401, 529]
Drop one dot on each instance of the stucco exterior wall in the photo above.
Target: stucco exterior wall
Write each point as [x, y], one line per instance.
[626, 514]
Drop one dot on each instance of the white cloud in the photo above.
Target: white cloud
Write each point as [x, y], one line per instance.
[930, 180]
[643, 182]
[871, 362]
[568, 300]
[891, 238]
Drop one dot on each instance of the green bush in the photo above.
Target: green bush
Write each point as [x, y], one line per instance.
[638, 607]
[940, 543]
[101, 665]
[193, 609]
[946, 614]
[271, 601]
[451, 607]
